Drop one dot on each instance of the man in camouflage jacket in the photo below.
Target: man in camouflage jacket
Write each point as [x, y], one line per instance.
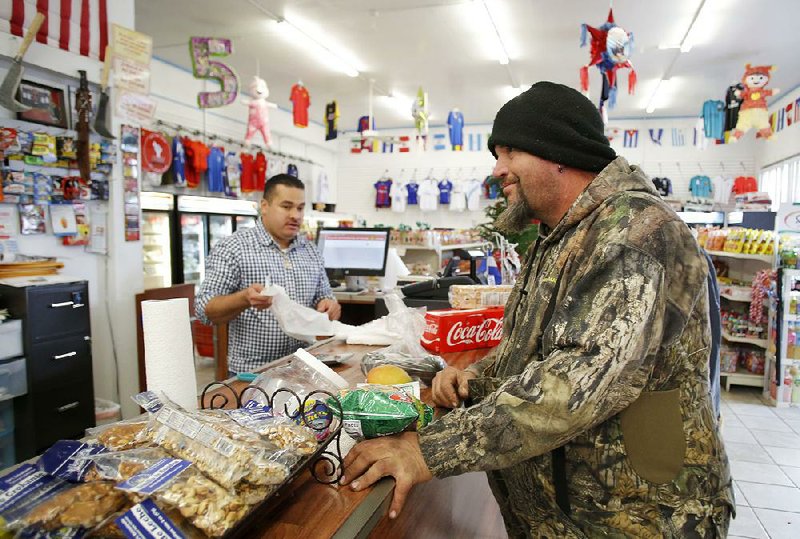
[593, 416]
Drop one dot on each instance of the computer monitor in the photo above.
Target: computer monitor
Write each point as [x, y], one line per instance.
[353, 252]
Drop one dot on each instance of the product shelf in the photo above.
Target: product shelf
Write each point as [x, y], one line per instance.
[742, 378]
[768, 259]
[762, 343]
[735, 293]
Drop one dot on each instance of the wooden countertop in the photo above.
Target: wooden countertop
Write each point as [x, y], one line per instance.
[454, 507]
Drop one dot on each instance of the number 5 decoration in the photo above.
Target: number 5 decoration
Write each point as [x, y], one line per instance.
[203, 48]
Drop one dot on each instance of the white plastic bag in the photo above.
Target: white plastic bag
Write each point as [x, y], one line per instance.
[299, 321]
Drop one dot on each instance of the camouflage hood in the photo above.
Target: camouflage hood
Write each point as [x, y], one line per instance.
[617, 178]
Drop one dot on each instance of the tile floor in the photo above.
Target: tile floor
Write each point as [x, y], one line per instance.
[763, 445]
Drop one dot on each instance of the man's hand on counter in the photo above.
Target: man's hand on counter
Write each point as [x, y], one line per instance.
[398, 456]
[450, 387]
[331, 307]
[254, 298]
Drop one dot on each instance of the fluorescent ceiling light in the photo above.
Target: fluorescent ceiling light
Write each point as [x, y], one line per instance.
[324, 53]
[661, 88]
[501, 51]
[690, 36]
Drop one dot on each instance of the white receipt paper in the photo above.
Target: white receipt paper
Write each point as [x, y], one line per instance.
[169, 350]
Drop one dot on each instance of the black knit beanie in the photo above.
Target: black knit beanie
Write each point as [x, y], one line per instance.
[554, 122]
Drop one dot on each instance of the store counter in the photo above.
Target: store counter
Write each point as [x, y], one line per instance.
[453, 507]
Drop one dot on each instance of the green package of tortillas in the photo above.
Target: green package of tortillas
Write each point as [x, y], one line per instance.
[380, 411]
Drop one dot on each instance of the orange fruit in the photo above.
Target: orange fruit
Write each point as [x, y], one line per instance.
[387, 375]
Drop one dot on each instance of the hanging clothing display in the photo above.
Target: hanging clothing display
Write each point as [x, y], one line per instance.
[322, 191]
[428, 195]
[473, 192]
[331, 117]
[714, 119]
[196, 161]
[723, 186]
[382, 188]
[216, 165]
[663, 186]
[260, 171]
[732, 104]
[491, 189]
[399, 196]
[445, 186]
[455, 125]
[745, 184]
[233, 173]
[248, 175]
[178, 162]
[275, 166]
[458, 196]
[412, 188]
[300, 103]
[700, 187]
[291, 170]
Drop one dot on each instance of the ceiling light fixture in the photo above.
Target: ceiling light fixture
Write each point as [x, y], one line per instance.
[662, 86]
[502, 52]
[689, 37]
[325, 52]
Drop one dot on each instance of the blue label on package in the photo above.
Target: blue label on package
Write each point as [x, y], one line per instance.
[61, 533]
[155, 477]
[317, 416]
[24, 487]
[146, 521]
[67, 459]
[148, 400]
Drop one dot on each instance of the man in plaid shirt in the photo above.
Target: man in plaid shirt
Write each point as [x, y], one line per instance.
[271, 252]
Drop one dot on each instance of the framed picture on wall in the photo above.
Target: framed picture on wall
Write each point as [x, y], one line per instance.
[48, 104]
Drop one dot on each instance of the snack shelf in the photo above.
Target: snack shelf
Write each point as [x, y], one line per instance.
[440, 248]
[768, 259]
[762, 343]
[742, 378]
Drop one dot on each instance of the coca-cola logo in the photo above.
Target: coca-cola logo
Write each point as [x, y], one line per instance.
[491, 329]
[432, 326]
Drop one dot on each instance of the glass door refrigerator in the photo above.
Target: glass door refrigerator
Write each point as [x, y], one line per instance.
[157, 219]
[203, 222]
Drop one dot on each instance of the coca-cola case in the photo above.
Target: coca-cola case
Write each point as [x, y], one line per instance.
[454, 330]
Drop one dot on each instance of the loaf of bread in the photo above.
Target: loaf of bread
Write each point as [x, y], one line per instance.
[469, 296]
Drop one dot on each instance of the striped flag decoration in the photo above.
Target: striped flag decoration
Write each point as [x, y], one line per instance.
[404, 140]
[78, 26]
[631, 138]
[781, 121]
[789, 114]
[439, 142]
[678, 138]
[773, 121]
[655, 135]
[797, 110]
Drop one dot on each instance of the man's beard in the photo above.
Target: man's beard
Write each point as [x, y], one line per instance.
[516, 217]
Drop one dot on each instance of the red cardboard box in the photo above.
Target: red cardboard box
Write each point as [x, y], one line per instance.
[453, 330]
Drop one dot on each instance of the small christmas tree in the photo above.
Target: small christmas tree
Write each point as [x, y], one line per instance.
[523, 239]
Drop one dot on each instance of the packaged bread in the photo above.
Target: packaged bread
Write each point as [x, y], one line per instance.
[475, 296]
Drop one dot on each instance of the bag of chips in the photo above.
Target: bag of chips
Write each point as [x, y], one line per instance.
[380, 411]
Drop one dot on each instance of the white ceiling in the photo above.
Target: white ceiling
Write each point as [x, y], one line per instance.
[442, 45]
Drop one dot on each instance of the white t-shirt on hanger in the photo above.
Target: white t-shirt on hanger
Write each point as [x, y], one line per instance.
[473, 193]
[458, 196]
[722, 189]
[323, 188]
[428, 195]
[274, 166]
[399, 196]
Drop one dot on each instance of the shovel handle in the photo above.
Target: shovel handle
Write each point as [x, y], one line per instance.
[106, 69]
[33, 29]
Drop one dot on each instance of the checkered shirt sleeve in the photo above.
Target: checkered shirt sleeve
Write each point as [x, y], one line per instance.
[249, 257]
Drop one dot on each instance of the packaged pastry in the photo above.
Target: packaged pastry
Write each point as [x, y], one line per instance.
[68, 459]
[469, 296]
[176, 486]
[227, 461]
[281, 431]
[121, 435]
[21, 490]
[82, 506]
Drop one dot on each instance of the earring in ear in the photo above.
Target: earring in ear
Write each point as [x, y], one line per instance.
[561, 169]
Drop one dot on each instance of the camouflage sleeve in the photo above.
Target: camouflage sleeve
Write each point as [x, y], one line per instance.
[479, 368]
[598, 349]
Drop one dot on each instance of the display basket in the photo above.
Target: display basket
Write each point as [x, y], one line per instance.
[325, 464]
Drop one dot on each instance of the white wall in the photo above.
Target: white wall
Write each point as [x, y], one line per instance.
[358, 172]
[784, 143]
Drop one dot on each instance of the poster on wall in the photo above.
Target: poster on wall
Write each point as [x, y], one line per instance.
[131, 74]
[129, 143]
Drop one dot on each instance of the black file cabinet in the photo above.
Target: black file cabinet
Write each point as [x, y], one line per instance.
[58, 349]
